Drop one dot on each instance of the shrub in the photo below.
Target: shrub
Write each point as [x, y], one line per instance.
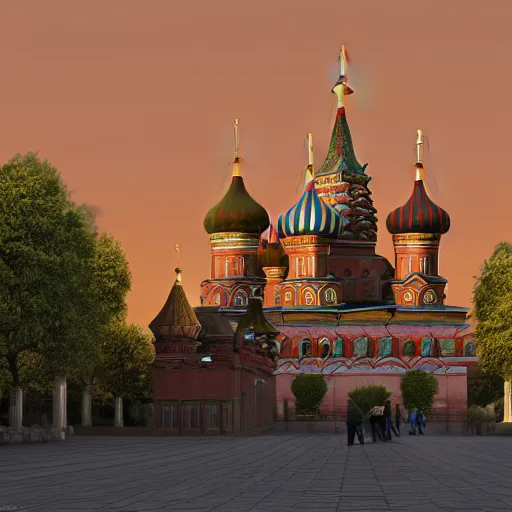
[418, 390]
[367, 397]
[309, 390]
[478, 417]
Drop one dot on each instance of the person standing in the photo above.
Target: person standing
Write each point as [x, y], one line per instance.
[419, 422]
[412, 431]
[388, 421]
[398, 419]
[354, 422]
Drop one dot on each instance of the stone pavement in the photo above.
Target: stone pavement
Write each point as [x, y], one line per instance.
[267, 473]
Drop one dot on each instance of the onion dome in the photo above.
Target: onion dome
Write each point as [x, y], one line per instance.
[419, 214]
[237, 211]
[177, 319]
[310, 216]
[272, 253]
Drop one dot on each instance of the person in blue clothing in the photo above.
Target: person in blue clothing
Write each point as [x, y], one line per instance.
[412, 419]
[420, 422]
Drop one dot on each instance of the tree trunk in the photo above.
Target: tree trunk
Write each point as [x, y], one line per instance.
[87, 407]
[119, 421]
[12, 362]
[507, 402]
[16, 408]
[60, 407]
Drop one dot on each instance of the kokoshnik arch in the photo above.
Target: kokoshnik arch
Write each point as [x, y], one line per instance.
[311, 295]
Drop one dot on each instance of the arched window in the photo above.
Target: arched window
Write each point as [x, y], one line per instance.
[361, 346]
[338, 348]
[409, 349]
[305, 348]
[325, 345]
[426, 346]
[470, 350]
[385, 346]
[240, 299]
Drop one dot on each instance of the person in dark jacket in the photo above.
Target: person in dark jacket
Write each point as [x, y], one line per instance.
[354, 422]
[388, 426]
[398, 419]
[420, 422]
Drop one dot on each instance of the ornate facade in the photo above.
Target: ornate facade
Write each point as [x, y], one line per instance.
[332, 304]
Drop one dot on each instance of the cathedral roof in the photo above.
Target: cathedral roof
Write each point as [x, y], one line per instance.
[177, 318]
[419, 214]
[341, 155]
[272, 254]
[310, 216]
[254, 320]
[237, 211]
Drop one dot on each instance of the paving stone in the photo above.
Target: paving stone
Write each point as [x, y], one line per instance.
[258, 474]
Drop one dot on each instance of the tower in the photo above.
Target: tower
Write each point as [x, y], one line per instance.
[305, 231]
[417, 227]
[274, 262]
[234, 225]
[176, 329]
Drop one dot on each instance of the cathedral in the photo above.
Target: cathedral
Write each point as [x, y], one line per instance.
[310, 294]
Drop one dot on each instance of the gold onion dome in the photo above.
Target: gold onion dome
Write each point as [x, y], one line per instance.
[237, 211]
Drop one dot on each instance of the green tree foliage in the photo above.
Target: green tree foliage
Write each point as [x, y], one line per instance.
[485, 390]
[309, 390]
[45, 250]
[126, 353]
[493, 310]
[418, 390]
[60, 283]
[367, 397]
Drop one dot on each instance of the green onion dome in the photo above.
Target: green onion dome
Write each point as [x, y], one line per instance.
[237, 212]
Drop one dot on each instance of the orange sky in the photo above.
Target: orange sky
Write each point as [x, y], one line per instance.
[134, 101]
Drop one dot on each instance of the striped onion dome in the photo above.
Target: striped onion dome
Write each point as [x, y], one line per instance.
[310, 216]
[419, 215]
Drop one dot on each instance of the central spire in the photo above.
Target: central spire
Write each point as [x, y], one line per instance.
[310, 169]
[237, 159]
[341, 156]
[419, 156]
[341, 88]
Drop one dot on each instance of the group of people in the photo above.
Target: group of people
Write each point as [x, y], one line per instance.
[381, 422]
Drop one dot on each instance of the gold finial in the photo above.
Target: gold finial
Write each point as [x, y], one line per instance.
[310, 151]
[236, 161]
[341, 88]
[178, 275]
[419, 156]
[343, 61]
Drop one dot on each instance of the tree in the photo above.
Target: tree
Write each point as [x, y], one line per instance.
[493, 310]
[110, 282]
[45, 254]
[367, 397]
[418, 390]
[126, 353]
[309, 390]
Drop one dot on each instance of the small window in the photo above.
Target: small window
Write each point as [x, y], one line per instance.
[470, 350]
[426, 346]
[409, 349]
[241, 299]
[212, 410]
[305, 348]
[338, 348]
[170, 416]
[330, 296]
[361, 346]
[227, 416]
[326, 348]
[191, 416]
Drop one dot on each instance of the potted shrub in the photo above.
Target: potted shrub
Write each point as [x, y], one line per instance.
[418, 390]
[309, 389]
[367, 397]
